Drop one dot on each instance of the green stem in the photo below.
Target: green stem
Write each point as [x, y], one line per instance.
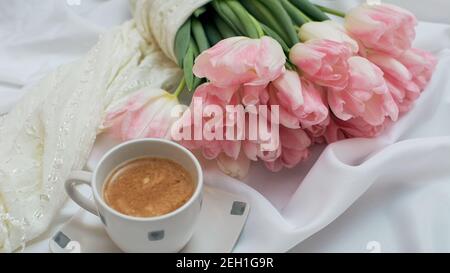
[212, 32]
[227, 15]
[276, 8]
[180, 87]
[225, 30]
[304, 16]
[199, 35]
[188, 63]
[297, 16]
[290, 66]
[258, 26]
[269, 32]
[182, 41]
[310, 10]
[244, 18]
[198, 12]
[331, 11]
[263, 15]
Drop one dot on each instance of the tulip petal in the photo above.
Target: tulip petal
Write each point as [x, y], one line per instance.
[234, 167]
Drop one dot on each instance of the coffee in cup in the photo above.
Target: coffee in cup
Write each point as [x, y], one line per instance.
[172, 229]
[148, 187]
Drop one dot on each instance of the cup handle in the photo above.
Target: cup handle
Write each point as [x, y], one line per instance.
[76, 178]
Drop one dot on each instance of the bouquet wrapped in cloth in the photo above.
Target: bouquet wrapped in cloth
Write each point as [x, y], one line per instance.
[284, 64]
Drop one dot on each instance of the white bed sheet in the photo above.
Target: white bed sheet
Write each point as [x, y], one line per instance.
[387, 194]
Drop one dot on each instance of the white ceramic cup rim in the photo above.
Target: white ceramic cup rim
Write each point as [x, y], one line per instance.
[199, 185]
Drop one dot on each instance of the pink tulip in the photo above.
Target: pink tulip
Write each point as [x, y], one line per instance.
[420, 63]
[289, 89]
[398, 78]
[241, 61]
[407, 75]
[334, 129]
[237, 168]
[213, 94]
[317, 131]
[207, 95]
[359, 128]
[254, 95]
[366, 95]
[286, 116]
[404, 96]
[210, 95]
[255, 149]
[323, 62]
[356, 127]
[382, 27]
[391, 67]
[274, 166]
[145, 113]
[294, 149]
[313, 109]
[327, 30]
[332, 133]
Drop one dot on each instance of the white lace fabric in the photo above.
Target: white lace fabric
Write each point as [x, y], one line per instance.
[52, 129]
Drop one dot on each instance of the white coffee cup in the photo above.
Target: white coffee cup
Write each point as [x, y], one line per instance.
[166, 233]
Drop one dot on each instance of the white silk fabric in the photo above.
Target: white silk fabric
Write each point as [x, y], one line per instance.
[392, 191]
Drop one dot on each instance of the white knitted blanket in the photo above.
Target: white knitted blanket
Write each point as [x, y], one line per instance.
[52, 129]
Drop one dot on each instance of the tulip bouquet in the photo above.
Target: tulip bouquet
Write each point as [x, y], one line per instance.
[286, 66]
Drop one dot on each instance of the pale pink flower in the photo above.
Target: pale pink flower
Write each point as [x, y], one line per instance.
[420, 63]
[334, 129]
[241, 61]
[314, 110]
[382, 27]
[323, 61]
[256, 149]
[144, 113]
[332, 132]
[398, 78]
[327, 30]
[210, 95]
[391, 67]
[404, 96]
[254, 95]
[234, 167]
[366, 95]
[289, 89]
[274, 166]
[294, 149]
[311, 112]
[359, 128]
[286, 116]
[352, 128]
[317, 131]
[407, 75]
[213, 94]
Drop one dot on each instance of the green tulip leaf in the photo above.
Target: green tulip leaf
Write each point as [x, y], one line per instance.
[182, 41]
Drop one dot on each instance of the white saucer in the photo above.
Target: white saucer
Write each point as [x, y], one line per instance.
[220, 223]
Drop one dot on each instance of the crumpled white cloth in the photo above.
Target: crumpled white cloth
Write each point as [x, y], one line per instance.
[161, 19]
[393, 190]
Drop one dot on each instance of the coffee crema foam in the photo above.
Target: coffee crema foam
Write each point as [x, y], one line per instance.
[148, 187]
